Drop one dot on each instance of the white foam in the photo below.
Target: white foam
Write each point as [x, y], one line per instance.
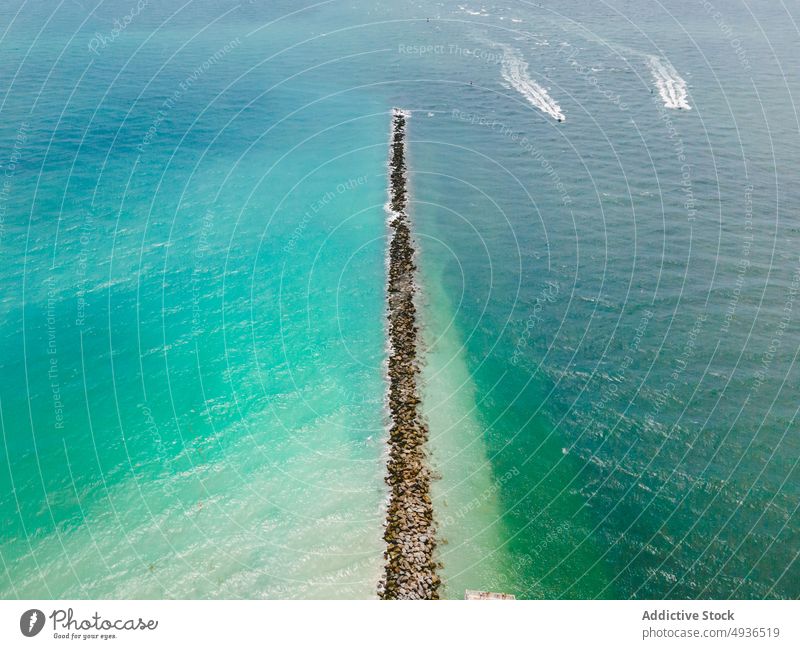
[671, 86]
[472, 12]
[515, 72]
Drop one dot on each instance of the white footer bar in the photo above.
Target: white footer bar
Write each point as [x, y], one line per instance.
[494, 624]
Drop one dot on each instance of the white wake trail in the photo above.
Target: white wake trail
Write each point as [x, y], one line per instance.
[670, 84]
[515, 72]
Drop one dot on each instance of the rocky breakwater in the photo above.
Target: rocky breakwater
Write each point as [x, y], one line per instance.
[410, 570]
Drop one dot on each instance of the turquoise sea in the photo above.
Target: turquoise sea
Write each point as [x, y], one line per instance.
[192, 315]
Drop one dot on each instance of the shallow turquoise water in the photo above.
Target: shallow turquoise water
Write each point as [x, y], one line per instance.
[191, 394]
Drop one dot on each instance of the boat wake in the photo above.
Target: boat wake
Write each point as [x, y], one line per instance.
[473, 12]
[515, 72]
[671, 86]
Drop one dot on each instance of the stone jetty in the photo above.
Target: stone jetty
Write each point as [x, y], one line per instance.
[410, 570]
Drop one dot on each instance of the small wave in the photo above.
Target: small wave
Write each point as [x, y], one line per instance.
[515, 72]
[671, 86]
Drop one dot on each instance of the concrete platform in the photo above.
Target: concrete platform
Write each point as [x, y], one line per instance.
[483, 594]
